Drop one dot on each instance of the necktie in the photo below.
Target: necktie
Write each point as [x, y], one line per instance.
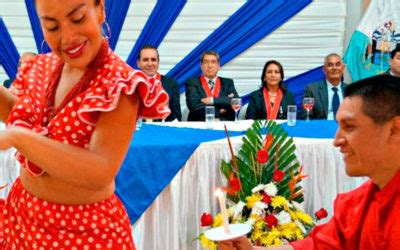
[211, 84]
[335, 102]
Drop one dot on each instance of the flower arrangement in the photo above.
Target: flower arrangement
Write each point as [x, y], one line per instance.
[264, 189]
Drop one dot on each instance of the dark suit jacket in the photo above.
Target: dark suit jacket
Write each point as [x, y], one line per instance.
[222, 104]
[256, 109]
[7, 83]
[171, 86]
[319, 92]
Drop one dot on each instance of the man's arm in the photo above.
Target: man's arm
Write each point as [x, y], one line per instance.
[225, 98]
[193, 97]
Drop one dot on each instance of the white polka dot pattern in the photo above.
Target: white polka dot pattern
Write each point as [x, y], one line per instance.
[102, 225]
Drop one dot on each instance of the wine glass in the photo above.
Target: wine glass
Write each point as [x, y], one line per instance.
[236, 103]
[308, 104]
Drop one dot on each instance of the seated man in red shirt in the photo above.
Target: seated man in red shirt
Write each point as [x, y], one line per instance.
[369, 139]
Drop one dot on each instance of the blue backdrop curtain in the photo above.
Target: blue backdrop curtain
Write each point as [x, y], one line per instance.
[157, 26]
[8, 52]
[116, 11]
[41, 46]
[252, 22]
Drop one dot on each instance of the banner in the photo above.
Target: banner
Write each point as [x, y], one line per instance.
[369, 49]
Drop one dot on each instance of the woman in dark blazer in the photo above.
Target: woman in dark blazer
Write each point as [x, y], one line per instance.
[271, 100]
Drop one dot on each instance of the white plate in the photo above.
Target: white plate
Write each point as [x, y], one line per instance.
[219, 234]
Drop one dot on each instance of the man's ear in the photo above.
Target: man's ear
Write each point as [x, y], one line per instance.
[395, 129]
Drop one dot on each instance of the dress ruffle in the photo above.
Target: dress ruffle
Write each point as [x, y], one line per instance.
[153, 98]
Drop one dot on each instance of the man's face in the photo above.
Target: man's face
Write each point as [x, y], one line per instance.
[210, 66]
[334, 68]
[148, 62]
[395, 64]
[361, 141]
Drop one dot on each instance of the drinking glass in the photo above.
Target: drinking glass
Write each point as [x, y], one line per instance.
[291, 115]
[308, 105]
[210, 116]
[236, 103]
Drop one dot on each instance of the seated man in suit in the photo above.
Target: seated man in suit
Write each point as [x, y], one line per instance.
[210, 90]
[149, 61]
[394, 62]
[328, 93]
[22, 61]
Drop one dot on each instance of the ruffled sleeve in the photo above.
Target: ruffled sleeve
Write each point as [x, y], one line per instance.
[153, 98]
[19, 85]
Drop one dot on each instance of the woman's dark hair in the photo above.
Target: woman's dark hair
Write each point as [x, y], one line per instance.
[281, 84]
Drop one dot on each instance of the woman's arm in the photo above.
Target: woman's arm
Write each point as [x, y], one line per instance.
[91, 168]
[7, 101]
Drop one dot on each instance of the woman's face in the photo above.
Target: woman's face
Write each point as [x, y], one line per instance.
[272, 75]
[72, 29]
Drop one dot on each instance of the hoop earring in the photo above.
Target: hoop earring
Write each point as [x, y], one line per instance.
[43, 45]
[107, 32]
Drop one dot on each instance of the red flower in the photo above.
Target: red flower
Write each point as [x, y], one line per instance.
[234, 183]
[278, 176]
[262, 156]
[320, 214]
[266, 199]
[271, 221]
[206, 220]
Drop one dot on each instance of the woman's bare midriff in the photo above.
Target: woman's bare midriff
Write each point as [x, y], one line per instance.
[54, 190]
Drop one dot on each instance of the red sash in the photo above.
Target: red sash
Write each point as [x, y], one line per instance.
[157, 76]
[272, 114]
[207, 89]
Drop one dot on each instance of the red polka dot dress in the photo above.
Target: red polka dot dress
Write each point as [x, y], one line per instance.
[28, 222]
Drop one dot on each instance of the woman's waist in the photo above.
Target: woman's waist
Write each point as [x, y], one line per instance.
[55, 190]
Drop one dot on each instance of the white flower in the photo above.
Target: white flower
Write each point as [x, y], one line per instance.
[302, 228]
[237, 209]
[298, 206]
[270, 189]
[283, 218]
[250, 221]
[258, 208]
[258, 188]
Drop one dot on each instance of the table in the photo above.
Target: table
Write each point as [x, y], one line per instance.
[173, 219]
[191, 174]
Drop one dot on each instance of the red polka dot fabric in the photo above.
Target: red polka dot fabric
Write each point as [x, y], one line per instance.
[76, 121]
[30, 223]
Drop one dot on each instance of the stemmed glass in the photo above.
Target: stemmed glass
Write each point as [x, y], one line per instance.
[308, 105]
[236, 103]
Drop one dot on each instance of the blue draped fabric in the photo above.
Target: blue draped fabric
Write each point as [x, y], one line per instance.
[312, 129]
[155, 155]
[41, 46]
[8, 52]
[252, 22]
[116, 11]
[297, 83]
[157, 26]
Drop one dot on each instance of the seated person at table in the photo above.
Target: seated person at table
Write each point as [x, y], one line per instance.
[328, 93]
[394, 62]
[210, 90]
[149, 62]
[369, 139]
[271, 100]
[21, 62]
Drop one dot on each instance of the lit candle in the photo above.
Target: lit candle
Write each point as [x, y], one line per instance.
[222, 205]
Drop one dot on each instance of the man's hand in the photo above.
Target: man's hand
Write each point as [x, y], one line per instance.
[207, 100]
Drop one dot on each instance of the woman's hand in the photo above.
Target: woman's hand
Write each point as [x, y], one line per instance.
[241, 243]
